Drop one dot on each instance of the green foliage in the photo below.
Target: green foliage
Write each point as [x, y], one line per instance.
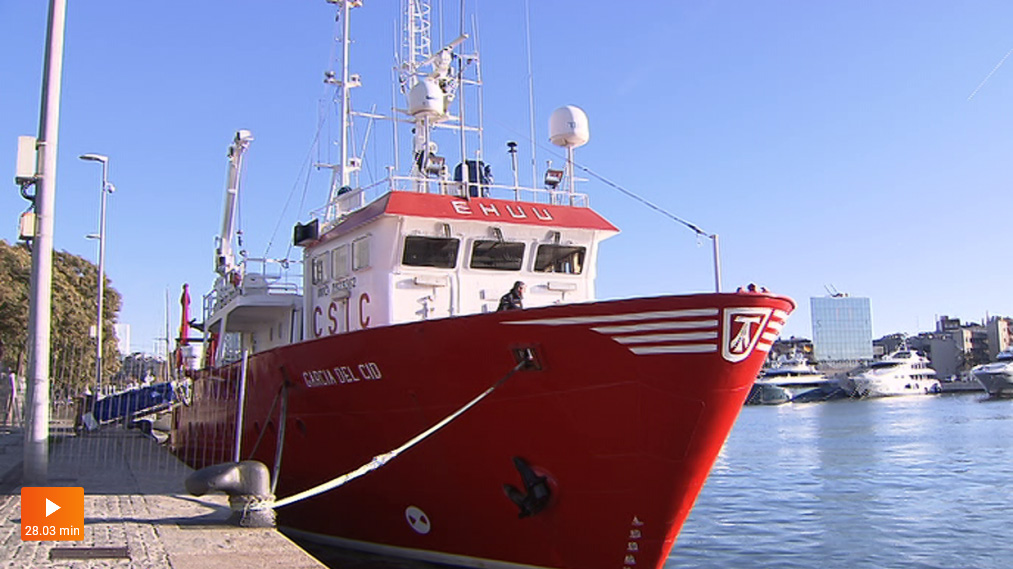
[15, 274]
[74, 300]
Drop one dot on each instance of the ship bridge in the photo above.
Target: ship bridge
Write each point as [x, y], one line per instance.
[409, 255]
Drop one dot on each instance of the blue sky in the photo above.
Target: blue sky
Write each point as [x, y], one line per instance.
[826, 142]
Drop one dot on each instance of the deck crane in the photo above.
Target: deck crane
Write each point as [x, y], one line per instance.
[225, 259]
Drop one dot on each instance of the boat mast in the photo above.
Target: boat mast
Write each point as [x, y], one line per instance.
[429, 94]
[418, 36]
[418, 43]
[466, 174]
[346, 10]
[342, 177]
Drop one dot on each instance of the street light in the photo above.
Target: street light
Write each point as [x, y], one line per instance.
[107, 188]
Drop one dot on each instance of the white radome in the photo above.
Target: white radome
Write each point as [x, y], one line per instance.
[426, 98]
[568, 127]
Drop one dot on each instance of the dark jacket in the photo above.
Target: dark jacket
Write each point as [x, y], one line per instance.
[511, 300]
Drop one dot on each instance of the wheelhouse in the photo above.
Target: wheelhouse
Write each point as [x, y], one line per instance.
[415, 256]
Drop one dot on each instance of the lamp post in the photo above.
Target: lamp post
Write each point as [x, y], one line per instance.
[107, 188]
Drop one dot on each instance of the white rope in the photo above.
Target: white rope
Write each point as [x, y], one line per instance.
[382, 459]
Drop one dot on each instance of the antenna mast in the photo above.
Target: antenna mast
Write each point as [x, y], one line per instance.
[342, 176]
[429, 93]
[417, 44]
[418, 38]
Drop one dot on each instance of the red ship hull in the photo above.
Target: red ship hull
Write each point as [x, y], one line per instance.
[624, 417]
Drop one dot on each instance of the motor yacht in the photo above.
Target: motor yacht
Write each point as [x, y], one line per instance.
[997, 377]
[904, 372]
[790, 376]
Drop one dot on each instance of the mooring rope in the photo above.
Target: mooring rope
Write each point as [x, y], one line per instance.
[263, 429]
[279, 445]
[382, 459]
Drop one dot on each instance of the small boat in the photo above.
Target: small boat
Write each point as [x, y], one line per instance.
[767, 394]
[788, 379]
[134, 402]
[904, 372]
[996, 377]
[401, 412]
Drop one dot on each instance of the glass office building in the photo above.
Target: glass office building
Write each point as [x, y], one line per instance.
[842, 329]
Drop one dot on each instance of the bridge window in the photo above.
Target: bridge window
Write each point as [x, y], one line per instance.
[360, 253]
[439, 252]
[560, 259]
[340, 266]
[497, 255]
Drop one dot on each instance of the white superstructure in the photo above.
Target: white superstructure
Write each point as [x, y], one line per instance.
[904, 372]
[436, 238]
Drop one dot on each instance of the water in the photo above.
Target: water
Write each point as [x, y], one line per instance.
[899, 483]
[906, 482]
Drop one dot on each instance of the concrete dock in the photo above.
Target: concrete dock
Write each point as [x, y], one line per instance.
[136, 511]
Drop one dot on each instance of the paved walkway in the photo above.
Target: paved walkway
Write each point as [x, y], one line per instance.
[134, 499]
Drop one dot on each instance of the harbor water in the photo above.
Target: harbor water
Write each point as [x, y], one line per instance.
[904, 482]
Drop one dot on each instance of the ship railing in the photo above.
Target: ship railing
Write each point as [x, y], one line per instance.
[355, 199]
[255, 276]
[277, 275]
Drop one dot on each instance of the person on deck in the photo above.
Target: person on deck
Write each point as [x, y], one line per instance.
[512, 300]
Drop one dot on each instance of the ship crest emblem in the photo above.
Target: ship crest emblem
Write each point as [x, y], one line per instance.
[741, 330]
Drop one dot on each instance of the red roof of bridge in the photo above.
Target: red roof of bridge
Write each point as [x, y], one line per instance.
[487, 209]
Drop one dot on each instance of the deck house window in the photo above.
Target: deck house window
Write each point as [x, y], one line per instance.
[319, 269]
[360, 253]
[439, 252]
[341, 265]
[497, 255]
[560, 259]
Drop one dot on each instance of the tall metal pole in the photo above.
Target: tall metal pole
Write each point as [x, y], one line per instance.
[101, 284]
[101, 280]
[36, 461]
[717, 263]
[346, 41]
[241, 406]
[107, 188]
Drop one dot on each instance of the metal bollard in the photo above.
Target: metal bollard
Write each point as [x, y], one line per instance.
[248, 486]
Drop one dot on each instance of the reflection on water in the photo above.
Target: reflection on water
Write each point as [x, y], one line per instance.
[913, 482]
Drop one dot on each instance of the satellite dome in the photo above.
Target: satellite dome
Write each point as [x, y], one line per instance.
[568, 127]
[426, 98]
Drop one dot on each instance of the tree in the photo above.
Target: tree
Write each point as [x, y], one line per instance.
[15, 274]
[72, 349]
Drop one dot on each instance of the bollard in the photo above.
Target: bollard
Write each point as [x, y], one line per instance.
[248, 486]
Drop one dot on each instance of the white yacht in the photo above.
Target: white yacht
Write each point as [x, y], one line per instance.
[790, 376]
[997, 377]
[904, 372]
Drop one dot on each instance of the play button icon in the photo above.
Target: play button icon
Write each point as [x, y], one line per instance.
[50, 508]
[52, 513]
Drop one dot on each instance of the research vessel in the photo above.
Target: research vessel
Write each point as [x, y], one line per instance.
[572, 433]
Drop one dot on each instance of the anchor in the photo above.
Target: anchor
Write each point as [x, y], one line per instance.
[536, 494]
